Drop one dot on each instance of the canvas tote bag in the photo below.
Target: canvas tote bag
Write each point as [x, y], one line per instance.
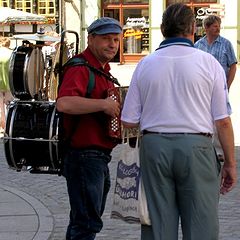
[129, 200]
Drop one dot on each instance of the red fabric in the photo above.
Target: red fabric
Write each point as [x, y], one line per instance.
[87, 130]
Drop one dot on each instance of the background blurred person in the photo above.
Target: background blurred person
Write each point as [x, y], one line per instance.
[222, 49]
[5, 94]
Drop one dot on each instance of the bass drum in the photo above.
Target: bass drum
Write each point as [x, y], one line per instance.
[31, 137]
[26, 72]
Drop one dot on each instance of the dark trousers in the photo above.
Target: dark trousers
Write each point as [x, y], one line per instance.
[88, 183]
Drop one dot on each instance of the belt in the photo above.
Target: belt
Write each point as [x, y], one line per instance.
[178, 133]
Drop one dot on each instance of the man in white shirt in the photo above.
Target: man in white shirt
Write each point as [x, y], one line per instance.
[175, 96]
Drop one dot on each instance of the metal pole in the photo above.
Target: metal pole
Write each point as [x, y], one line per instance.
[82, 24]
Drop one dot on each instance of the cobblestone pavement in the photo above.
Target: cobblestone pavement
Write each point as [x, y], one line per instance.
[50, 190]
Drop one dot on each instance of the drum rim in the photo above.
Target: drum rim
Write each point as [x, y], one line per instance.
[26, 91]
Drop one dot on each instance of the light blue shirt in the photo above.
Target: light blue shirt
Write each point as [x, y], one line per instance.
[221, 49]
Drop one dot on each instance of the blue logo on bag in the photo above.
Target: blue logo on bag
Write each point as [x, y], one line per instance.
[127, 182]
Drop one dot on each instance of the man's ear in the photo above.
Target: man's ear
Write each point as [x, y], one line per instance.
[194, 28]
[162, 29]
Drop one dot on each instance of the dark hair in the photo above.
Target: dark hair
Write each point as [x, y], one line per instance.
[177, 20]
[209, 20]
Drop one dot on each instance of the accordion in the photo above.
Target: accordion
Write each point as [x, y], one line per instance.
[115, 127]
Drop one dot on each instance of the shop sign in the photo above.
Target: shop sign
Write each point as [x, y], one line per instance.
[217, 9]
[133, 33]
[136, 22]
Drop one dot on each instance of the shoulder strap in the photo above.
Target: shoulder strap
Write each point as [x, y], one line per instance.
[91, 83]
[76, 61]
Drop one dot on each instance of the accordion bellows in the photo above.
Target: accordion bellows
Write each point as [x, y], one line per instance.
[115, 128]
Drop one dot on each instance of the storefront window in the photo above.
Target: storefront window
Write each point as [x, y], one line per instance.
[190, 1]
[177, 1]
[205, 1]
[135, 1]
[111, 1]
[125, 1]
[136, 31]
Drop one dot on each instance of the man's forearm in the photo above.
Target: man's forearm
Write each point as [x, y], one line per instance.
[226, 138]
[231, 74]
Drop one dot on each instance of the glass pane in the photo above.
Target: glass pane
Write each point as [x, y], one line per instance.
[42, 11]
[110, 1]
[177, 1]
[19, 5]
[4, 3]
[205, 1]
[136, 31]
[135, 1]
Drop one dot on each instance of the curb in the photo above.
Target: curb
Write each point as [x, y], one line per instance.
[45, 219]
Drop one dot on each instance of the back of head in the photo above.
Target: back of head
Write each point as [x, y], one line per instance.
[177, 20]
[209, 20]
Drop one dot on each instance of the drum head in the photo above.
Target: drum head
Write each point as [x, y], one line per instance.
[26, 73]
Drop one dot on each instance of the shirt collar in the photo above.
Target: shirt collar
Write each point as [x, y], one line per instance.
[175, 41]
[91, 59]
[218, 39]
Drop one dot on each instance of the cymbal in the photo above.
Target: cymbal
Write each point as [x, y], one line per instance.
[37, 37]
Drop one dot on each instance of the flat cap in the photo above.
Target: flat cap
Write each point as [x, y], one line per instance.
[104, 25]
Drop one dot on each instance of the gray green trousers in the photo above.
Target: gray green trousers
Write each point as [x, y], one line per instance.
[181, 176]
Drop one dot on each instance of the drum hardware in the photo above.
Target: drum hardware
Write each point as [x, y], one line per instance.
[19, 166]
[44, 170]
[30, 139]
[61, 59]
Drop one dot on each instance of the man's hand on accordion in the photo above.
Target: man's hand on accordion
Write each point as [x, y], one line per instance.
[111, 107]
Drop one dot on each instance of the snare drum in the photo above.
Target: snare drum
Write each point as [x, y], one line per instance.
[26, 72]
[31, 136]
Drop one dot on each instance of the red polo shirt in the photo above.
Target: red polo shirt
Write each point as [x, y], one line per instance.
[87, 130]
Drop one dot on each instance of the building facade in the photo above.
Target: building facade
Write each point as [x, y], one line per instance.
[141, 21]
[47, 8]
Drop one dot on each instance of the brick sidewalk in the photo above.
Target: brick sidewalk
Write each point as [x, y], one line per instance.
[50, 190]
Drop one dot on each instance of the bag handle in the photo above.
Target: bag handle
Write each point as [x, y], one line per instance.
[125, 135]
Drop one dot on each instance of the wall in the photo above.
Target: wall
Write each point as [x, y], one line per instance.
[156, 11]
[89, 10]
[79, 14]
[230, 22]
